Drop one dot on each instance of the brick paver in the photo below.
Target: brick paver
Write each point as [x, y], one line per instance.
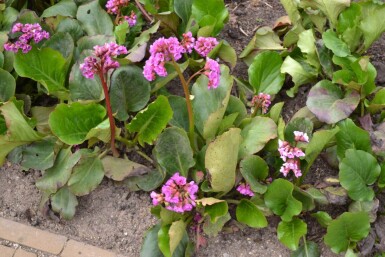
[6, 251]
[31, 237]
[22, 253]
[77, 249]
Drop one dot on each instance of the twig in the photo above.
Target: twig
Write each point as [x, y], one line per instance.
[267, 4]
[143, 11]
[243, 32]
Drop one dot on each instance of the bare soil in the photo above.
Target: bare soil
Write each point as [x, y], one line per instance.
[113, 218]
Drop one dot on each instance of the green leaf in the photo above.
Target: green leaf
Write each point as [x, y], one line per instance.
[298, 73]
[39, 155]
[323, 218]
[183, 9]
[213, 229]
[202, 9]
[179, 108]
[216, 210]
[309, 249]
[62, 8]
[119, 169]
[71, 123]
[236, 106]
[124, 81]
[279, 199]
[381, 180]
[164, 240]
[41, 115]
[7, 85]
[370, 207]
[298, 124]
[347, 228]
[305, 198]
[64, 202]
[173, 151]
[358, 170]
[221, 160]
[307, 44]
[372, 24]
[331, 8]
[94, 20]
[88, 42]
[82, 88]
[71, 26]
[176, 232]
[210, 105]
[338, 47]
[86, 175]
[253, 169]
[46, 66]
[227, 53]
[289, 233]
[121, 31]
[348, 26]
[351, 136]
[150, 246]
[264, 73]
[150, 122]
[101, 132]
[248, 213]
[256, 134]
[63, 43]
[18, 130]
[58, 175]
[327, 101]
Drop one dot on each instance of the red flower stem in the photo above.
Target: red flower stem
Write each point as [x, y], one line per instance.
[109, 113]
[143, 11]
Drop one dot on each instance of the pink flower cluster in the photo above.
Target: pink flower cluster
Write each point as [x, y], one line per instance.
[177, 195]
[164, 50]
[261, 101]
[29, 32]
[114, 6]
[101, 59]
[290, 155]
[244, 189]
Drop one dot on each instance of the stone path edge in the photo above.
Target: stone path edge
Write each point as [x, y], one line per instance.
[44, 241]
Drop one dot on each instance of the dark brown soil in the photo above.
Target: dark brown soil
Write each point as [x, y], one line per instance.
[114, 218]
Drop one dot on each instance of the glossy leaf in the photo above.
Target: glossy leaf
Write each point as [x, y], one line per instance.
[213, 229]
[71, 123]
[64, 202]
[256, 134]
[216, 9]
[86, 175]
[309, 249]
[179, 108]
[279, 199]
[216, 210]
[329, 104]
[248, 213]
[173, 151]
[209, 105]
[347, 228]
[298, 124]
[372, 24]
[221, 160]
[39, 155]
[94, 20]
[323, 218]
[62, 8]
[58, 175]
[7, 85]
[254, 169]
[150, 246]
[358, 170]
[124, 81]
[338, 47]
[264, 73]
[150, 122]
[289, 233]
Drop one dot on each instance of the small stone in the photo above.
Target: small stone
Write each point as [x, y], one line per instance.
[233, 33]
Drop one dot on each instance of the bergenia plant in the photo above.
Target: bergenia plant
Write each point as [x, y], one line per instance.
[29, 33]
[100, 63]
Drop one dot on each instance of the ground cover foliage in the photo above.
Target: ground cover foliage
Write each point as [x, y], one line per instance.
[80, 96]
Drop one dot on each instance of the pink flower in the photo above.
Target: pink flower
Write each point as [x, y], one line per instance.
[101, 59]
[177, 195]
[188, 42]
[244, 189]
[261, 101]
[213, 72]
[301, 136]
[204, 45]
[288, 152]
[291, 164]
[114, 6]
[131, 19]
[30, 32]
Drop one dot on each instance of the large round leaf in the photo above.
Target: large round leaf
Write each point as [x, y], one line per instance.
[64, 202]
[327, 101]
[256, 134]
[358, 170]
[173, 151]
[279, 198]
[248, 213]
[94, 20]
[129, 91]
[254, 169]
[7, 85]
[221, 160]
[347, 228]
[289, 233]
[63, 8]
[265, 73]
[71, 123]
